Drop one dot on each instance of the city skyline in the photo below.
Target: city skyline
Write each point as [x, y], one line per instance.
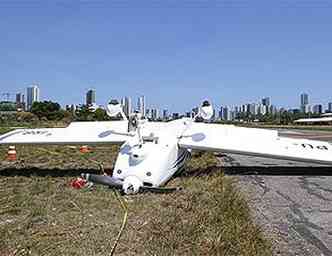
[89, 98]
[236, 112]
[259, 98]
[175, 54]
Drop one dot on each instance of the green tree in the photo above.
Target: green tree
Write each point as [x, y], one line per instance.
[7, 106]
[47, 109]
[83, 114]
[26, 117]
[100, 115]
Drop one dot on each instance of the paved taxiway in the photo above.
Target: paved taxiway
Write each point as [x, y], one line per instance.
[292, 201]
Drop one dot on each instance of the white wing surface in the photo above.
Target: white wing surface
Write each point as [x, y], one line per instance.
[255, 142]
[75, 133]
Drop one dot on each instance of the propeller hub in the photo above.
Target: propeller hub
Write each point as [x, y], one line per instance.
[131, 185]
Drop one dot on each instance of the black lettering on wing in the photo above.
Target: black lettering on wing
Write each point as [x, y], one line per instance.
[323, 147]
[310, 146]
[38, 132]
[306, 145]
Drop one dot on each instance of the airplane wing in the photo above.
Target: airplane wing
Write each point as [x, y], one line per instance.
[254, 142]
[75, 133]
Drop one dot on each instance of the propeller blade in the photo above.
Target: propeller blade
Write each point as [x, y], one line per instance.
[103, 180]
[116, 183]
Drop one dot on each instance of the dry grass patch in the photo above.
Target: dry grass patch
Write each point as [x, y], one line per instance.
[42, 215]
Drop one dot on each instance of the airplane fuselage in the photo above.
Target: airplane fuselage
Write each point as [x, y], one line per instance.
[154, 159]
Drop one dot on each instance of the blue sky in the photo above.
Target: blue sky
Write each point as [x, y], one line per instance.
[176, 53]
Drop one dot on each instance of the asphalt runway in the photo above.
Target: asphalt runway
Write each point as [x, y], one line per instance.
[292, 201]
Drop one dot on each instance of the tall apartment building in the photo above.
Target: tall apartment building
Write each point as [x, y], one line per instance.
[165, 114]
[304, 103]
[33, 94]
[141, 105]
[318, 109]
[91, 97]
[126, 104]
[266, 101]
[329, 107]
[20, 103]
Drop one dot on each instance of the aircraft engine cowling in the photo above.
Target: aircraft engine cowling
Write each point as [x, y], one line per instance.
[113, 109]
[206, 110]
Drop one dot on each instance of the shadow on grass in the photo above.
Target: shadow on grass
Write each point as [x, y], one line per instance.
[42, 172]
[278, 170]
[197, 172]
[259, 170]
[200, 172]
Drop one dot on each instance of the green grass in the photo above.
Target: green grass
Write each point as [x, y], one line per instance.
[41, 215]
[5, 129]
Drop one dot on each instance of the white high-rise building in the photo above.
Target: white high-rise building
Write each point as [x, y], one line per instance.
[91, 98]
[165, 114]
[155, 114]
[329, 107]
[33, 94]
[266, 101]
[304, 103]
[226, 114]
[317, 109]
[126, 104]
[148, 113]
[252, 109]
[141, 105]
[304, 99]
[306, 108]
[263, 109]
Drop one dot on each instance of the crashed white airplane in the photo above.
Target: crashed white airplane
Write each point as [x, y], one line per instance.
[152, 152]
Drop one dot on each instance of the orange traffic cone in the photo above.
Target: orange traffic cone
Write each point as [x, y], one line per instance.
[84, 149]
[11, 155]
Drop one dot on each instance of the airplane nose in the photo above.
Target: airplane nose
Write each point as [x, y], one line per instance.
[131, 185]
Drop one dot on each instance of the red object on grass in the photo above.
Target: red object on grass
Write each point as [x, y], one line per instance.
[85, 149]
[11, 155]
[78, 183]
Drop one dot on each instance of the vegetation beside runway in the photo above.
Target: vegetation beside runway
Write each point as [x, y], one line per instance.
[41, 214]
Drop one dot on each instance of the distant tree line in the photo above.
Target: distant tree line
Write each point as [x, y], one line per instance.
[86, 114]
[48, 110]
[51, 111]
[7, 106]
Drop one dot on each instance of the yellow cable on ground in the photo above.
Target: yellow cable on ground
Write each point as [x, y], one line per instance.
[117, 196]
[122, 204]
[124, 221]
